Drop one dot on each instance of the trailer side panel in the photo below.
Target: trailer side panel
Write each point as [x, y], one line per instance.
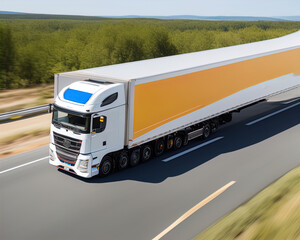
[159, 103]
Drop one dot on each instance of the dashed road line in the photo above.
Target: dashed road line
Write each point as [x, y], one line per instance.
[192, 149]
[272, 114]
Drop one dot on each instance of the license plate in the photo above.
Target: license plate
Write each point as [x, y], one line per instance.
[69, 164]
[66, 168]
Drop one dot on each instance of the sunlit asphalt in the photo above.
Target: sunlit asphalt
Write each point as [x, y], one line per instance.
[37, 201]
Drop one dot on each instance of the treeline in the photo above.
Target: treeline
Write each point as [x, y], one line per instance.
[31, 51]
[49, 16]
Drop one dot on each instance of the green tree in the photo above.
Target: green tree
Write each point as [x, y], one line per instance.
[158, 43]
[7, 56]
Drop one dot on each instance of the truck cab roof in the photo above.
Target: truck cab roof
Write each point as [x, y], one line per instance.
[91, 96]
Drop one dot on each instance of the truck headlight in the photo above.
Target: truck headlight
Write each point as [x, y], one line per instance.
[51, 155]
[83, 165]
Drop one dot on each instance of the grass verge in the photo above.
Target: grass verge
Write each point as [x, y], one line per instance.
[274, 213]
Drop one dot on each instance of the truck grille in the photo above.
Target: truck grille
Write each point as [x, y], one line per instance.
[67, 143]
[66, 156]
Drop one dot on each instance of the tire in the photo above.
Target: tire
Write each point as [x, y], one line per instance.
[106, 166]
[146, 152]
[206, 131]
[228, 117]
[185, 140]
[214, 125]
[178, 142]
[225, 118]
[170, 143]
[123, 160]
[159, 147]
[135, 157]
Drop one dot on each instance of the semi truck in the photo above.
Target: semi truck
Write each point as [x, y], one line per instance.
[112, 117]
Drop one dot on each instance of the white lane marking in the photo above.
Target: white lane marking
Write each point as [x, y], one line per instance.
[194, 209]
[192, 149]
[272, 114]
[23, 165]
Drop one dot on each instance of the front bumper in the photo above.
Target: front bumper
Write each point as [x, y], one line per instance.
[75, 169]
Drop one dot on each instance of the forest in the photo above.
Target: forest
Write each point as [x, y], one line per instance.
[32, 50]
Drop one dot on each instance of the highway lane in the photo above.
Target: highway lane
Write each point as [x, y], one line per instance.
[17, 160]
[39, 202]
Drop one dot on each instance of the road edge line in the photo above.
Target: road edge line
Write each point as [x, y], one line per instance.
[194, 209]
[22, 165]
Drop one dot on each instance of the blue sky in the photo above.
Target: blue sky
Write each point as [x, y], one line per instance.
[156, 7]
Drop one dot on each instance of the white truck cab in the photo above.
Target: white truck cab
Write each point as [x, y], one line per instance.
[88, 122]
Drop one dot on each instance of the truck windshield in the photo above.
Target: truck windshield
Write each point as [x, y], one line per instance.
[71, 121]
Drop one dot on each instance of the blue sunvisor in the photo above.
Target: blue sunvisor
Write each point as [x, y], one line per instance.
[77, 96]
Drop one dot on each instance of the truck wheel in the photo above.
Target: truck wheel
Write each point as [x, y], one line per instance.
[123, 160]
[146, 152]
[135, 157]
[178, 142]
[228, 117]
[185, 140]
[106, 166]
[225, 118]
[206, 131]
[214, 125]
[159, 147]
[170, 142]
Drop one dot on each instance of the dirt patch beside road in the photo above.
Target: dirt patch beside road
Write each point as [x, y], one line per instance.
[28, 133]
[24, 144]
[24, 135]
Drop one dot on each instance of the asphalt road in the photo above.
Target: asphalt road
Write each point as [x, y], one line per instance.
[37, 201]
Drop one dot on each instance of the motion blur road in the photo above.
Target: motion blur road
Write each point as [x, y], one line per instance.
[37, 201]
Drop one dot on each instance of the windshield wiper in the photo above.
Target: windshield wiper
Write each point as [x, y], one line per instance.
[72, 128]
[57, 124]
[76, 130]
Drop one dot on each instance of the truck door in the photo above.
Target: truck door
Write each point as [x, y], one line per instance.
[98, 133]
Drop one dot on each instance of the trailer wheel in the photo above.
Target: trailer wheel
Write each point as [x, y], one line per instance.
[159, 147]
[178, 142]
[214, 125]
[185, 140]
[225, 118]
[106, 166]
[206, 131]
[170, 142]
[146, 152]
[135, 157]
[228, 117]
[123, 160]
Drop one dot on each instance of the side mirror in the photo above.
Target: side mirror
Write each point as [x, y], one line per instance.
[99, 124]
[50, 108]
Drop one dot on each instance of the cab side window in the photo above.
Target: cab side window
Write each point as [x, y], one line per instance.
[99, 124]
[110, 99]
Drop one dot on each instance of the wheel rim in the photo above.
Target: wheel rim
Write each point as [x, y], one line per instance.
[106, 168]
[123, 162]
[206, 132]
[134, 158]
[170, 143]
[159, 148]
[178, 142]
[146, 153]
